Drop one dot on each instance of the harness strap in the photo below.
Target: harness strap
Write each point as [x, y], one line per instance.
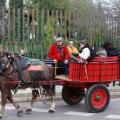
[20, 73]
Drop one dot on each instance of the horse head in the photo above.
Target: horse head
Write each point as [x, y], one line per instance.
[5, 61]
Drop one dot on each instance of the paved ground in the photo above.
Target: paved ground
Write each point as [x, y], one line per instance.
[114, 91]
[25, 95]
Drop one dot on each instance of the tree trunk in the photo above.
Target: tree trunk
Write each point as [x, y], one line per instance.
[2, 6]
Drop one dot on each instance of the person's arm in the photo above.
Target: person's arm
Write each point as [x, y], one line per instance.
[66, 53]
[50, 53]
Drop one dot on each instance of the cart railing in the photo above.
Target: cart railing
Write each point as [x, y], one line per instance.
[101, 69]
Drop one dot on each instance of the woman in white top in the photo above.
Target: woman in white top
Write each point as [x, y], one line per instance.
[84, 51]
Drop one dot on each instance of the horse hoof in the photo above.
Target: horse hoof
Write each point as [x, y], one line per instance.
[51, 111]
[19, 113]
[28, 111]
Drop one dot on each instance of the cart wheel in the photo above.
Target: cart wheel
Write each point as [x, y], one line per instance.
[72, 95]
[97, 98]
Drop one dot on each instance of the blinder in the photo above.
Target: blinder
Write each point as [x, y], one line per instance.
[4, 63]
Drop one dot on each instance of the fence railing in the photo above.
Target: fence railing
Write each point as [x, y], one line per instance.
[35, 30]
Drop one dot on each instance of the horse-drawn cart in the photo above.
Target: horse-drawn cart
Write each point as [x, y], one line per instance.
[90, 80]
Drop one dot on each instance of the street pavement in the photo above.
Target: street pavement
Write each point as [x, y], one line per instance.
[25, 95]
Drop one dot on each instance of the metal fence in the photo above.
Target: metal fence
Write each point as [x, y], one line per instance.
[35, 30]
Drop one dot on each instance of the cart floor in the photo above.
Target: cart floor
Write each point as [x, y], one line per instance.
[62, 78]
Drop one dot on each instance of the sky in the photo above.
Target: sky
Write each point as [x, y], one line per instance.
[7, 4]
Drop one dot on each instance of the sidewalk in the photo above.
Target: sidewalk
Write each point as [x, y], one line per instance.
[114, 91]
[25, 95]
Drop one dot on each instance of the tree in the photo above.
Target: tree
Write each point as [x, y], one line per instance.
[16, 5]
[2, 7]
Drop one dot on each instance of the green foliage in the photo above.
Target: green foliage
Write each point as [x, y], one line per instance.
[67, 17]
[2, 5]
[61, 5]
[47, 37]
[16, 4]
[30, 4]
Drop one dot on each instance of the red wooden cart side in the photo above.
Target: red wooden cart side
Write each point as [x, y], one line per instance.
[101, 69]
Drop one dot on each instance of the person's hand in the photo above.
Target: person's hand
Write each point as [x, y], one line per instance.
[66, 61]
[55, 61]
[85, 62]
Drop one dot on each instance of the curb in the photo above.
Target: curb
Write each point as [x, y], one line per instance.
[57, 98]
[25, 96]
[28, 99]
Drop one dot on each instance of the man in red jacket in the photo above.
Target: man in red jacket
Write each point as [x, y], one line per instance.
[59, 54]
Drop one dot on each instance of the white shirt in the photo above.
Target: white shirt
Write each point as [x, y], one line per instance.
[84, 55]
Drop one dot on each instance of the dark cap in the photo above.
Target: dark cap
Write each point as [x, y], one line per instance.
[83, 42]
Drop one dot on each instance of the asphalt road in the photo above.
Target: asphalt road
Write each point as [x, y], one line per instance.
[63, 111]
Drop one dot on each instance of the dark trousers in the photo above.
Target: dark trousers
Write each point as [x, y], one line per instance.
[59, 64]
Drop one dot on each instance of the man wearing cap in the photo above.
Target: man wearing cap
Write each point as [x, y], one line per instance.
[72, 50]
[59, 54]
[84, 51]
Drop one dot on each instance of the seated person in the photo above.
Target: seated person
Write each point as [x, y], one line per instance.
[110, 49]
[102, 52]
[22, 53]
[84, 53]
[72, 50]
[91, 46]
[92, 53]
[59, 54]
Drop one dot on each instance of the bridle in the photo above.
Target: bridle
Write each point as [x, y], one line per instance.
[3, 72]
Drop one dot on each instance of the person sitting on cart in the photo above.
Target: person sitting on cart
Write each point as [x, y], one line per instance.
[86, 54]
[72, 49]
[110, 49]
[92, 53]
[102, 52]
[22, 53]
[59, 54]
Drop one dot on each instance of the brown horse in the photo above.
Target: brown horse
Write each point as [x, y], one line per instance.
[11, 79]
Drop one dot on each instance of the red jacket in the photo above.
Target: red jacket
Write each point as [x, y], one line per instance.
[54, 53]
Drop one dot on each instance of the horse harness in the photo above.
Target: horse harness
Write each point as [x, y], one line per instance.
[19, 64]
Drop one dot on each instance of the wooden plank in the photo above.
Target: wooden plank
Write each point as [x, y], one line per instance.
[59, 77]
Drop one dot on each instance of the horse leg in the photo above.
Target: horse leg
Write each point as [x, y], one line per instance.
[3, 103]
[10, 98]
[51, 97]
[4, 94]
[35, 93]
